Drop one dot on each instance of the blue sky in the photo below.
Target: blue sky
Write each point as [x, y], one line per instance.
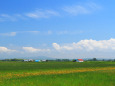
[57, 28]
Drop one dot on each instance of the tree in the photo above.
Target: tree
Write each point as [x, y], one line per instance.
[103, 60]
[94, 59]
[114, 60]
[73, 60]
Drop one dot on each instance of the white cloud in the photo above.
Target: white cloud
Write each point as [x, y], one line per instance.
[18, 32]
[31, 49]
[81, 9]
[88, 45]
[82, 49]
[33, 32]
[67, 32]
[8, 34]
[4, 49]
[75, 10]
[56, 46]
[6, 17]
[12, 17]
[42, 14]
[49, 32]
[35, 14]
[63, 32]
[93, 6]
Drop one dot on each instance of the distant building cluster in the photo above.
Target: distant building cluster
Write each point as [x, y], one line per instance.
[31, 60]
[79, 60]
[47, 60]
[59, 60]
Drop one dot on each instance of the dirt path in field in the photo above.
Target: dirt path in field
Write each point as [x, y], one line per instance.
[12, 75]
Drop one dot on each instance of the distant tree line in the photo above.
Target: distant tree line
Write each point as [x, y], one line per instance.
[62, 60]
[13, 59]
[95, 59]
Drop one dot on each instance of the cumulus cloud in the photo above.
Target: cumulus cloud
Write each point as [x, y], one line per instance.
[31, 49]
[4, 49]
[88, 45]
[56, 46]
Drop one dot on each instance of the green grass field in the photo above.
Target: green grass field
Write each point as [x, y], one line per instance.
[57, 74]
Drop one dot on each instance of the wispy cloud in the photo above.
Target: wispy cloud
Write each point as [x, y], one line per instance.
[33, 32]
[13, 17]
[67, 32]
[42, 14]
[19, 32]
[8, 34]
[94, 6]
[81, 9]
[31, 49]
[84, 8]
[35, 14]
[49, 32]
[6, 17]
[75, 10]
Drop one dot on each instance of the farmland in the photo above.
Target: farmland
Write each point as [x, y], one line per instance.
[57, 74]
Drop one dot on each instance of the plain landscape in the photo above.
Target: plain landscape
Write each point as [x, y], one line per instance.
[57, 42]
[57, 74]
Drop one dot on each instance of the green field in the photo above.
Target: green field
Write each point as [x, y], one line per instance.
[57, 74]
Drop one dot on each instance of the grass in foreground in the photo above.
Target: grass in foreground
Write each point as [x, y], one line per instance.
[57, 74]
[98, 78]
